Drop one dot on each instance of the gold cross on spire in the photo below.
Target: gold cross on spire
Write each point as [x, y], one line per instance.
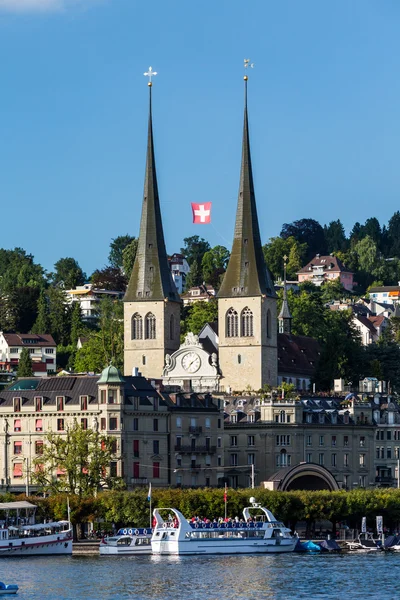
[150, 73]
[285, 259]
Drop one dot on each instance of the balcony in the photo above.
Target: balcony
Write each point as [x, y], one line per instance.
[197, 450]
[384, 480]
[195, 430]
[139, 481]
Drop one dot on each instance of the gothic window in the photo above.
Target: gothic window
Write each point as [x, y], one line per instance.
[232, 323]
[150, 327]
[268, 323]
[137, 327]
[247, 322]
[171, 327]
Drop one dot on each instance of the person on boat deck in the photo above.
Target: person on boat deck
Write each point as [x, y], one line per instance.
[237, 519]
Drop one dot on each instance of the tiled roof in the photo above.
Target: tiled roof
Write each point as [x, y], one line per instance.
[17, 339]
[384, 288]
[297, 354]
[367, 323]
[330, 263]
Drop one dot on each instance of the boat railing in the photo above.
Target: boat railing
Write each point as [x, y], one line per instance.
[232, 525]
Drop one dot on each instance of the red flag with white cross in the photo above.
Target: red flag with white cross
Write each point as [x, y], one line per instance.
[201, 212]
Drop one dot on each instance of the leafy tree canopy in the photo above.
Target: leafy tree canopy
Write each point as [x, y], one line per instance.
[25, 364]
[109, 278]
[117, 247]
[82, 456]
[68, 274]
[307, 231]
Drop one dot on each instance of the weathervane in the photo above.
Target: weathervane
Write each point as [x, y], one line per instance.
[247, 64]
[150, 73]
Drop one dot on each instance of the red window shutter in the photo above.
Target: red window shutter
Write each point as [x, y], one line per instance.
[136, 470]
[156, 470]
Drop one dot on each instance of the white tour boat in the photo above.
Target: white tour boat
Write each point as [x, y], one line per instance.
[21, 536]
[259, 532]
[127, 541]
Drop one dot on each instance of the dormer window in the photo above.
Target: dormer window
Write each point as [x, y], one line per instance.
[84, 402]
[17, 404]
[321, 418]
[233, 418]
[309, 418]
[38, 403]
[60, 403]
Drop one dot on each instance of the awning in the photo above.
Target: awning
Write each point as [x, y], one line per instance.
[60, 471]
[17, 423]
[16, 505]
[39, 424]
[17, 471]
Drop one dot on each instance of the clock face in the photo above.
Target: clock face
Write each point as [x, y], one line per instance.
[191, 362]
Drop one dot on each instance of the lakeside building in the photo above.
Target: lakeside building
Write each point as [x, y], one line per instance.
[326, 268]
[42, 349]
[199, 293]
[387, 294]
[276, 435]
[166, 439]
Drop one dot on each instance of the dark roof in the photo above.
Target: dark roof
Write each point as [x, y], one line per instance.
[285, 311]
[367, 323]
[18, 339]
[297, 354]
[385, 288]
[190, 401]
[330, 263]
[151, 278]
[246, 274]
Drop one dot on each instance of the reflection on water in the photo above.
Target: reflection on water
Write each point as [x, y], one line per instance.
[275, 577]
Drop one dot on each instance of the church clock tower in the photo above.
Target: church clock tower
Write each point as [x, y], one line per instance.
[151, 302]
[247, 299]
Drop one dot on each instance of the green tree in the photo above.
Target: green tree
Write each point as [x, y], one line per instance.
[109, 278]
[197, 315]
[18, 269]
[42, 323]
[25, 364]
[277, 248]
[117, 247]
[128, 257]
[76, 322]
[194, 249]
[394, 235]
[306, 231]
[213, 265]
[68, 274]
[18, 308]
[335, 236]
[333, 290]
[194, 277]
[104, 345]
[59, 316]
[83, 455]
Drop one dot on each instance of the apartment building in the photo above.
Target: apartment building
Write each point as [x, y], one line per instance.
[42, 348]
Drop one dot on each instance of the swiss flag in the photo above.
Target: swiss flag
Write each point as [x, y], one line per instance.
[201, 212]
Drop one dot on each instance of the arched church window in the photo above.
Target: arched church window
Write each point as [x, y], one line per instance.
[137, 327]
[247, 322]
[232, 323]
[269, 323]
[150, 327]
[171, 327]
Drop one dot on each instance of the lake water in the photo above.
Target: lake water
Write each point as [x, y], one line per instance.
[205, 578]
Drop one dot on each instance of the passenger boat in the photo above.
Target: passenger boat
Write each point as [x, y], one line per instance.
[260, 532]
[21, 536]
[127, 541]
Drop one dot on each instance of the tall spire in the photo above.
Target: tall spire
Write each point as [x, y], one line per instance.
[151, 277]
[285, 317]
[247, 274]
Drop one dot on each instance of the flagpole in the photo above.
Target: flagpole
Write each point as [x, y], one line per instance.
[150, 515]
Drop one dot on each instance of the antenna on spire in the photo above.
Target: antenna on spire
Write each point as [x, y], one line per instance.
[150, 73]
[247, 64]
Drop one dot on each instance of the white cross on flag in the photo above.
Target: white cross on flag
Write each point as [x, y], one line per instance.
[201, 212]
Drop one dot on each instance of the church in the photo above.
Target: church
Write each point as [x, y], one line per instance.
[240, 351]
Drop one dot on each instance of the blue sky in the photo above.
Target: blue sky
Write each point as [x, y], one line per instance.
[324, 102]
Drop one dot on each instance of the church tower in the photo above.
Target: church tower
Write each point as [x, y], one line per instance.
[285, 317]
[151, 302]
[247, 299]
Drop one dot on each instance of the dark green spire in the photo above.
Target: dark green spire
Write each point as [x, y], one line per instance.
[284, 317]
[151, 277]
[247, 274]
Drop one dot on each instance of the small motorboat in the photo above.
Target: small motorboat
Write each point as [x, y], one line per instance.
[127, 541]
[365, 543]
[6, 589]
[307, 546]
